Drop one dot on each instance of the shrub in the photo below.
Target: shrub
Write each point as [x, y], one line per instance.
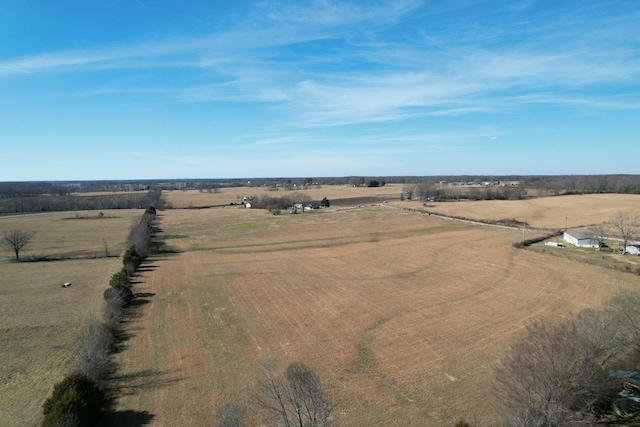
[132, 257]
[118, 295]
[94, 356]
[76, 398]
[119, 280]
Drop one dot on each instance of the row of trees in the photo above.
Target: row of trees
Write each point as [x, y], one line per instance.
[135, 200]
[81, 397]
[561, 373]
[430, 190]
[584, 184]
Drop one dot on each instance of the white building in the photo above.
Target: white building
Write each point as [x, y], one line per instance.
[633, 249]
[581, 240]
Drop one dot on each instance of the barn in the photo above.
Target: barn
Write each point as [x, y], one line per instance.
[581, 240]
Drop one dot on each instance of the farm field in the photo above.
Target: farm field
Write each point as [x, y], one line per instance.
[194, 198]
[72, 234]
[403, 315]
[40, 321]
[544, 212]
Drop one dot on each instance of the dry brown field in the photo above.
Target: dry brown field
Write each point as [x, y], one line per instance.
[39, 320]
[403, 315]
[72, 234]
[545, 212]
[194, 198]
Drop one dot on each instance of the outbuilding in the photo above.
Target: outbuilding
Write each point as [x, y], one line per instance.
[581, 240]
[633, 249]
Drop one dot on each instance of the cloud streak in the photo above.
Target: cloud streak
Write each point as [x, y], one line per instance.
[350, 73]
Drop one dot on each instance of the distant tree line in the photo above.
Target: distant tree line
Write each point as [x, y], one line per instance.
[428, 190]
[33, 204]
[584, 184]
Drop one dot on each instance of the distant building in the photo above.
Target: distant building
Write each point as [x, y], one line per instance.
[581, 240]
[633, 249]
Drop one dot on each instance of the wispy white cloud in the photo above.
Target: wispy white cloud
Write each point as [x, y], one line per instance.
[350, 73]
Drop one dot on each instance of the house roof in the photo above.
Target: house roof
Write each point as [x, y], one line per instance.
[579, 235]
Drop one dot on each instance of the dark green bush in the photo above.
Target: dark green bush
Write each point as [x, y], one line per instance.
[76, 398]
[120, 280]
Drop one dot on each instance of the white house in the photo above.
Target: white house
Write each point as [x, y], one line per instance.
[581, 240]
[633, 249]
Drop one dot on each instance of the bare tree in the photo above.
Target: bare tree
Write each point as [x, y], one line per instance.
[408, 190]
[599, 231]
[16, 240]
[626, 226]
[299, 197]
[557, 374]
[298, 399]
[625, 313]
[94, 355]
[230, 415]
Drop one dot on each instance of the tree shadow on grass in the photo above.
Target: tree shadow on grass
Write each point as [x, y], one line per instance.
[126, 418]
[145, 268]
[133, 383]
[130, 385]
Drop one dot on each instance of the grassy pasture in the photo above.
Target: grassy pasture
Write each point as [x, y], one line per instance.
[403, 315]
[71, 234]
[194, 198]
[39, 320]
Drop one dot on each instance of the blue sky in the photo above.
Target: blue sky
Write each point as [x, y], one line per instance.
[125, 89]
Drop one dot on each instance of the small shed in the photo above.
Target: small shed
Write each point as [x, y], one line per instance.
[633, 249]
[581, 240]
[556, 244]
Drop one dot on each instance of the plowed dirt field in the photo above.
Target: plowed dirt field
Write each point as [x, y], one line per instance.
[402, 315]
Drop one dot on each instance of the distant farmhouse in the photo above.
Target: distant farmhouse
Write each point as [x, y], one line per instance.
[581, 240]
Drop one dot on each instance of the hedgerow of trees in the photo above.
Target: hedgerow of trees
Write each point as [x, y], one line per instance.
[80, 398]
